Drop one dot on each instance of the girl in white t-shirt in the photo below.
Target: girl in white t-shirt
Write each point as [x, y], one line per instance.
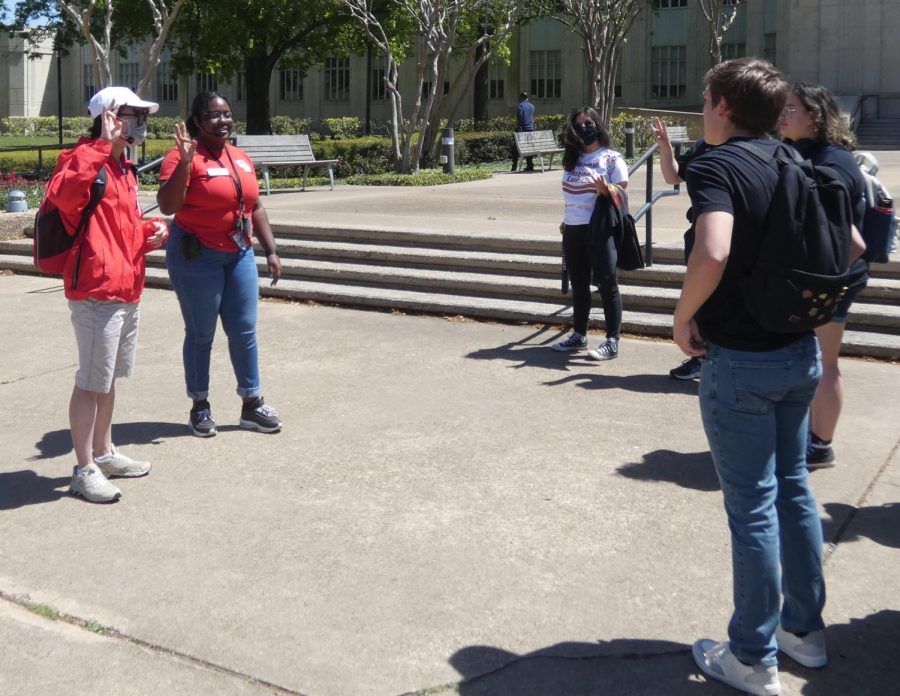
[588, 166]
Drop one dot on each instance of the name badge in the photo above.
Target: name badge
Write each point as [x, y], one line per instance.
[217, 171]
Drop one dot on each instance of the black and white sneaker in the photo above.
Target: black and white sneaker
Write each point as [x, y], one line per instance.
[574, 342]
[202, 423]
[608, 350]
[689, 369]
[819, 454]
[255, 415]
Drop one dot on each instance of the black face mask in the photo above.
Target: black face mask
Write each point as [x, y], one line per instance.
[588, 134]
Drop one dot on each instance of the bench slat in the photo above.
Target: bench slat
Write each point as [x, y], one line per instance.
[282, 151]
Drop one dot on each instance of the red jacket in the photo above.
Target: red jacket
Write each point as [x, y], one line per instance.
[114, 243]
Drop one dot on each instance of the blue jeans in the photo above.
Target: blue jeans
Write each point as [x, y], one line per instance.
[216, 284]
[755, 410]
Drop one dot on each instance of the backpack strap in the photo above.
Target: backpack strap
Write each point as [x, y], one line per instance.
[98, 187]
[782, 153]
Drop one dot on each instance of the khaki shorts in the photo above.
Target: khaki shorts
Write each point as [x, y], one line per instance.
[106, 334]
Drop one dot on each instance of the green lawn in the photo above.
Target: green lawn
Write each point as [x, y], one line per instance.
[19, 140]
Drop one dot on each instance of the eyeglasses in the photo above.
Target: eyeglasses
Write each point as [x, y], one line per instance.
[139, 115]
[788, 110]
[216, 115]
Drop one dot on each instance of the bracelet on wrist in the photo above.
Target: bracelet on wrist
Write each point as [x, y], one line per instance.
[271, 253]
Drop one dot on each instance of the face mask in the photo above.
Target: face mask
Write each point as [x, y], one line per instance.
[136, 134]
[588, 134]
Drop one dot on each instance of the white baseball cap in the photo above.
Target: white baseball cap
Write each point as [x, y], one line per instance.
[118, 96]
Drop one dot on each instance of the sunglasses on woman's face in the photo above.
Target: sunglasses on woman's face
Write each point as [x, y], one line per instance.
[139, 114]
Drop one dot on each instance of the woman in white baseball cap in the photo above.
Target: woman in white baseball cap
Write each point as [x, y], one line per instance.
[128, 107]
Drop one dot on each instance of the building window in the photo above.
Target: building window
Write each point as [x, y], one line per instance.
[379, 75]
[668, 4]
[128, 75]
[166, 83]
[427, 87]
[546, 81]
[669, 66]
[733, 50]
[769, 47]
[291, 85]
[88, 72]
[337, 79]
[206, 82]
[495, 81]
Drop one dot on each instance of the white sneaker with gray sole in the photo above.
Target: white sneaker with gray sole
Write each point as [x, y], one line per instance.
[92, 485]
[117, 465]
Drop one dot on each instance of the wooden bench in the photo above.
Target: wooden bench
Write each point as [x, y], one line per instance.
[678, 135]
[537, 143]
[271, 151]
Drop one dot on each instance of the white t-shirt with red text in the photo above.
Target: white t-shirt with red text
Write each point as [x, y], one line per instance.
[579, 194]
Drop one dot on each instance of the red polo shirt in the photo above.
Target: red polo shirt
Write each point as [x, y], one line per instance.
[210, 208]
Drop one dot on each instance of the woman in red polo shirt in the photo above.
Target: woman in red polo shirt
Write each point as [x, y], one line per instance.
[211, 187]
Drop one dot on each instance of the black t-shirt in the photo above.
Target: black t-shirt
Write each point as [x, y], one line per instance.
[729, 179]
[844, 164]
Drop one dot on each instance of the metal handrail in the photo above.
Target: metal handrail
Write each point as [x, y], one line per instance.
[651, 198]
[145, 168]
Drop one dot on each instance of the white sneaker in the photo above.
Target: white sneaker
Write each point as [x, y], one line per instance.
[93, 486]
[116, 464]
[717, 661]
[808, 650]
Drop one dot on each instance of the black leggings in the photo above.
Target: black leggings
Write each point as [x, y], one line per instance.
[581, 259]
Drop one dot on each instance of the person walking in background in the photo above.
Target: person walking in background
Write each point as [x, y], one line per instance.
[524, 124]
[755, 391]
[104, 279]
[591, 169]
[812, 122]
[211, 187]
[673, 171]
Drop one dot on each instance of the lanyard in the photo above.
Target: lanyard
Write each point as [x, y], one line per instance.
[235, 177]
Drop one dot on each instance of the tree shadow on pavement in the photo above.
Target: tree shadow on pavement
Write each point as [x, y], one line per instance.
[621, 667]
[862, 658]
[693, 470]
[880, 523]
[643, 384]
[21, 488]
[57, 443]
[532, 351]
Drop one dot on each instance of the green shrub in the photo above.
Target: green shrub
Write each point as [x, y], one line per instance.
[342, 127]
[424, 177]
[289, 125]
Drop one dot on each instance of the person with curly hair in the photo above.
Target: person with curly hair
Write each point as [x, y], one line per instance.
[812, 122]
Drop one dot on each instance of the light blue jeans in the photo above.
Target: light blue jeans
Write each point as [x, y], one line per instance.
[216, 284]
[755, 410]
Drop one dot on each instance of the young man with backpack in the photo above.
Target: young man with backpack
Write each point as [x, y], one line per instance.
[755, 388]
[104, 278]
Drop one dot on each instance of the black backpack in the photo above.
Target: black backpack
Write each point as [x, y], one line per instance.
[52, 242]
[800, 275]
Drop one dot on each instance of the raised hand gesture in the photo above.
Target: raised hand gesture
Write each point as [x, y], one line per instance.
[660, 132]
[110, 125]
[186, 145]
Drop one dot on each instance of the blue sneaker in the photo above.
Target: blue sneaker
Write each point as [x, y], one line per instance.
[574, 342]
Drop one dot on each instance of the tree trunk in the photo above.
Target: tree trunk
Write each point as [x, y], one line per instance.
[480, 88]
[259, 72]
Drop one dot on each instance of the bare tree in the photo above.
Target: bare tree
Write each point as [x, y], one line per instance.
[438, 24]
[163, 18]
[68, 20]
[720, 15]
[602, 26]
[100, 48]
